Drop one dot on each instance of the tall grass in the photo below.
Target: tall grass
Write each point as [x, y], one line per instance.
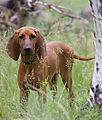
[58, 109]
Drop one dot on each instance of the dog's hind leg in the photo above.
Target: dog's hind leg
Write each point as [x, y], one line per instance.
[53, 84]
[66, 75]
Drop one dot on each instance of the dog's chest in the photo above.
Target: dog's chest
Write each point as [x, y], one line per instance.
[37, 74]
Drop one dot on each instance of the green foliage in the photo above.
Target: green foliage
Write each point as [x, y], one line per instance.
[58, 109]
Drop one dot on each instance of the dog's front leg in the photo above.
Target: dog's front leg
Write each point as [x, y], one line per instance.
[42, 96]
[24, 94]
[24, 90]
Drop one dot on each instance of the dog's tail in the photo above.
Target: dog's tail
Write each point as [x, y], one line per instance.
[83, 58]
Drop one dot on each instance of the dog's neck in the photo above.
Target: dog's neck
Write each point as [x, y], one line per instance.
[31, 65]
[29, 60]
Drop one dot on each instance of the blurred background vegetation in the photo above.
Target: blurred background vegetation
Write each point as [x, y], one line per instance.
[77, 34]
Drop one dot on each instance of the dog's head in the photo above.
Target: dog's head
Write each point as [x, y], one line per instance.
[26, 41]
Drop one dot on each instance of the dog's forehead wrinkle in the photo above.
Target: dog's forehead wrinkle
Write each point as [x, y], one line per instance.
[27, 32]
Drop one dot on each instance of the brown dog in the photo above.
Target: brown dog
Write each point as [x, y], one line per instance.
[40, 62]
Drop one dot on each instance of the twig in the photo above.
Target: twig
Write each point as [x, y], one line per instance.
[52, 24]
[58, 9]
[35, 88]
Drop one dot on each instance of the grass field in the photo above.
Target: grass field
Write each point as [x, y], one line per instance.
[58, 109]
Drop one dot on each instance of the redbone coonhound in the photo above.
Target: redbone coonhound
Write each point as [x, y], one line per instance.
[40, 61]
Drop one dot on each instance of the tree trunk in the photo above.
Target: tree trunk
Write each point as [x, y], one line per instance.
[96, 83]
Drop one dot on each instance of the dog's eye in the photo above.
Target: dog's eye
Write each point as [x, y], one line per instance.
[21, 36]
[32, 37]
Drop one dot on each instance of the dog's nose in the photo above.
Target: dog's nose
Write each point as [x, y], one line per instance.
[27, 51]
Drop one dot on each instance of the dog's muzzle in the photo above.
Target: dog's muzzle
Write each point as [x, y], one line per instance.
[28, 56]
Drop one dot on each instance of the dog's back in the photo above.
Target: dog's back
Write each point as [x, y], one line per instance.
[57, 54]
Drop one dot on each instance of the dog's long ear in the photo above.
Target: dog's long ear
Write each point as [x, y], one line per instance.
[13, 48]
[40, 46]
